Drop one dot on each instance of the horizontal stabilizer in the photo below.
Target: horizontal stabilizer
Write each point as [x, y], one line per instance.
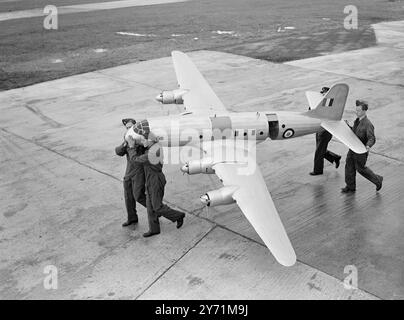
[342, 132]
[314, 98]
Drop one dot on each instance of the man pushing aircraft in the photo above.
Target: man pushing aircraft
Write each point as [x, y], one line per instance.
[323, 137]
[364, 130]
[152, 161]
[134, 179]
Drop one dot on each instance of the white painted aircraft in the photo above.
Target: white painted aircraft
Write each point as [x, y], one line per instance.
[207, 124]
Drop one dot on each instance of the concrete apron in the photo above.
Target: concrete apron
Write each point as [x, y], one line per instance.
[63, 201]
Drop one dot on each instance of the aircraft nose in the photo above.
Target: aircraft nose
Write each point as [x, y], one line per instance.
[205, 199]
[159, 97]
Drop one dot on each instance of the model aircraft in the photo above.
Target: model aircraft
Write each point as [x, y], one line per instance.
[208, 126]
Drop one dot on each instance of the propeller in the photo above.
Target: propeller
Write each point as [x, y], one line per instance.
[188, 179]
[184, 170]
[207, 212]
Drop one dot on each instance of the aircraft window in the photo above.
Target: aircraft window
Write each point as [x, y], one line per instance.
[283, 126]
[245, 133]
[201, 136]
[261, 133]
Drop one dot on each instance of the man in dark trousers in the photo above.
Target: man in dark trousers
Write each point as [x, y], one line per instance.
[152, 161]
[323, 137]
[134, 179]
[364, 130]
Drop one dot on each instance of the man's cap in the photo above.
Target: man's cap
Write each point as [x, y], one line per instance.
[142, 128]
[324, 89]
[362, 103]
[126, 120]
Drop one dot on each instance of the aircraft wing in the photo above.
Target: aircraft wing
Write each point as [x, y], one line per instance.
[254, 200]
[341, 131]
[199, 98]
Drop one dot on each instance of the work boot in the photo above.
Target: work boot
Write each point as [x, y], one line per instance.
[180, 222]
[380, 184]
[149, 234]
[337, 162]
[347, 190]
[315, 173]
[128, 223]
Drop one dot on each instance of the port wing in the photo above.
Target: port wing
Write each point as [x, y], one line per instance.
[200, 98]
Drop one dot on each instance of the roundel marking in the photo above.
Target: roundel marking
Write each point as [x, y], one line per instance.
[288, 133]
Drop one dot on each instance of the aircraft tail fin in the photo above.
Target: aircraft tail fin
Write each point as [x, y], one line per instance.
[332, 106]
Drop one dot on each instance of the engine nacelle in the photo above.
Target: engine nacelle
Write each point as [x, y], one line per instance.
[199, 166]
[219, 197]
[171, 97]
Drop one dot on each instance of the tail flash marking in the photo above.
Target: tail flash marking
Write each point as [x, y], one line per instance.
[327, 102]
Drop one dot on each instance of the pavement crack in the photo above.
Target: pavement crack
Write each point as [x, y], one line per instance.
[376, 153]
[176, 261]
[60, 154]
[388, 157]
[37, 112]
[263, 245]
[332, 276]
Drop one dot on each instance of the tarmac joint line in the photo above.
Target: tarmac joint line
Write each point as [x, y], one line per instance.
[50, 121]
[173, 264]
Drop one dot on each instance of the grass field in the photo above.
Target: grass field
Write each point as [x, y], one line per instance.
[255, 28]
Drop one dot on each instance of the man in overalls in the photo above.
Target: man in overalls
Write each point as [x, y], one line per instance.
[152, 161]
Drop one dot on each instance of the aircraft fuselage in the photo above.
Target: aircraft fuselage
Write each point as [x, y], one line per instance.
[179, 130]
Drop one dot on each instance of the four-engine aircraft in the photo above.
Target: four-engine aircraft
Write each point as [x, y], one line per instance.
[207, 125]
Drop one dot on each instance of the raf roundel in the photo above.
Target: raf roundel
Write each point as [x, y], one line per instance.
[288, 133]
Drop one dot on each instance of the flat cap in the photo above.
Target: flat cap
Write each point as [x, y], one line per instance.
[324, 90]
[362, 103]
